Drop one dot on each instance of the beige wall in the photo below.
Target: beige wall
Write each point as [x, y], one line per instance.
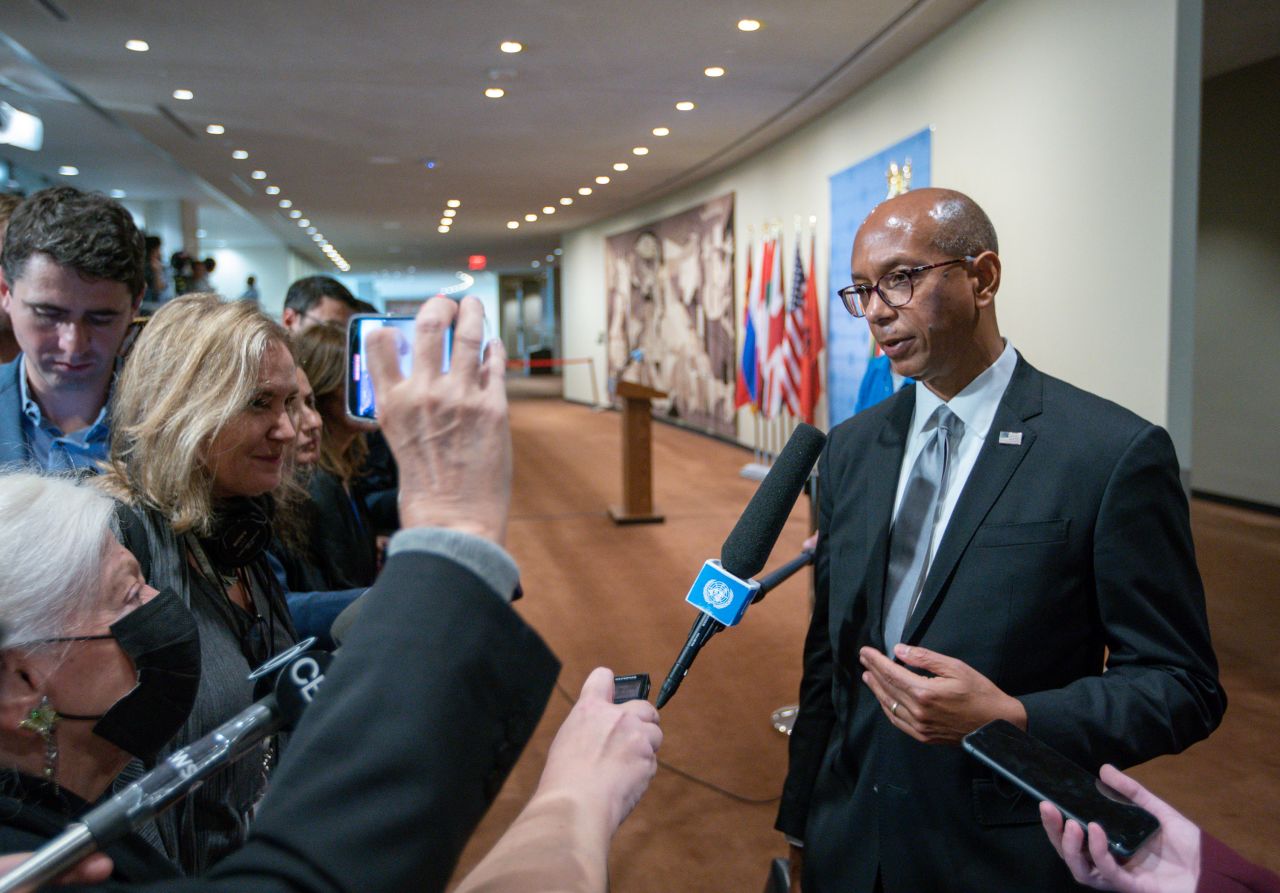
[275, 267]
[1237, 336]
[1059, 118]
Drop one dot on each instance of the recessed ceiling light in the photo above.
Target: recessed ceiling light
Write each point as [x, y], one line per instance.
[511, 46]
[749, 25]
[550, 258]
[535, 264]
[295, 213]
[285, 203]
[453, 203]
[584, 190]
[714, 71]
[661, 131]
[513, 224]
[311, 230]
[558, 252]
[259, 175]
[215, 129]
[442, 229]
[449, 212]
[239, 154]
[316, 237]
[183, 95]
[138, 46]
[620, 166]
[530, 217]
[602, 180]
[68, 170]
[566, 201]
[118, 193]
[202, 234]
[445, 221]
[639, 150]
[273, 190]
[685, 105]
[548, 209]
[494, 92]
[304, 223]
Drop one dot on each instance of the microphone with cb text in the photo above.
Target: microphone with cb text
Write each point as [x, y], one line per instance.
[725, 588]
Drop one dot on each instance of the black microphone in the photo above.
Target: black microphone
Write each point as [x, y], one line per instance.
[298, 675]
[724, 589]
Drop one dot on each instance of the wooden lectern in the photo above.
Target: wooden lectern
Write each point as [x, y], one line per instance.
[637, 456]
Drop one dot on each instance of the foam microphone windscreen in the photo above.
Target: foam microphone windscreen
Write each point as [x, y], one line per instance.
[748, 545]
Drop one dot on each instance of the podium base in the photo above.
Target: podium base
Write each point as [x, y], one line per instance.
[621, 516]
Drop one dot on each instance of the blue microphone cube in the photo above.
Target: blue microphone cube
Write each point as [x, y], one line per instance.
[720, 594]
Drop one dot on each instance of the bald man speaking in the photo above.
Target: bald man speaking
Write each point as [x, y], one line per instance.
[994, 544]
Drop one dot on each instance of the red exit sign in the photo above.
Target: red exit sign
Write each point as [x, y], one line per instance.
[477, 262]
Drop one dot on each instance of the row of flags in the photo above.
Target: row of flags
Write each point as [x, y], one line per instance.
[782, 336]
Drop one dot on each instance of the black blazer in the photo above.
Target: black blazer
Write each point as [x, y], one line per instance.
[340, 535]
[424, 711]
[1066, 550]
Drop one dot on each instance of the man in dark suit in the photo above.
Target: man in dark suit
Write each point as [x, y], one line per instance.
[994, 544]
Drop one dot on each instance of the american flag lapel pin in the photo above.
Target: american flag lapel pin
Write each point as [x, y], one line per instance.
[1011, 438]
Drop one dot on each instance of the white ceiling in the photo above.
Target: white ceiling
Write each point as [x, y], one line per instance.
[340, 103]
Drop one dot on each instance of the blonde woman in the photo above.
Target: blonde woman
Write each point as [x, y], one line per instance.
[203, 418]
[341, 538]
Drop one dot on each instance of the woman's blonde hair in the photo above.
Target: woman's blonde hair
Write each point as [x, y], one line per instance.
[193, 368]
[321, 351]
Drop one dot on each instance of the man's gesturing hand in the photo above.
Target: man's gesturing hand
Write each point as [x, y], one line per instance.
[448, 430]
[941, 708]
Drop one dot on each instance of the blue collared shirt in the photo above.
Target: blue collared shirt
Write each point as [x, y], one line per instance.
[49, 447]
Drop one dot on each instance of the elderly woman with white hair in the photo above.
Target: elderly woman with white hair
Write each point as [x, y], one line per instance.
[96, 667]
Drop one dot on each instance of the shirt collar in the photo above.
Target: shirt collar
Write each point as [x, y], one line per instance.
[31, 409]
[976, 405]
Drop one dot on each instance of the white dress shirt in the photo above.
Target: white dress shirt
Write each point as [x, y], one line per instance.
[975, 406]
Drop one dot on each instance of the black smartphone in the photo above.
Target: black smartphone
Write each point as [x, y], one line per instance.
[634, 687]
[360, 399]
[1047, 775]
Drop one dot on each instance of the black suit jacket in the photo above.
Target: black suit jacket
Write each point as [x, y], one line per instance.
[435, 691]
[1068, 549]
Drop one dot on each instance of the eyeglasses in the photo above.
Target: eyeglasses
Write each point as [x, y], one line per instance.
[895, 288]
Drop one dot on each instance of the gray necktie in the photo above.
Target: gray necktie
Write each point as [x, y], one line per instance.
[911, 541]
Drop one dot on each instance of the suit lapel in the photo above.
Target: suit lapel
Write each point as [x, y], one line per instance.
[882, 469]
[991, 473]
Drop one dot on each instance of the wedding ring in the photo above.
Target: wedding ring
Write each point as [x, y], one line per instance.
[893, 711]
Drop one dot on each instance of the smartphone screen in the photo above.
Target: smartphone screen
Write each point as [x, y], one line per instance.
[1047, 775]
[360, 398]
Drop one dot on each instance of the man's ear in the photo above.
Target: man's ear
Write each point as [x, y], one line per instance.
[6, 293]
[22, 685]
[289, 317]
[986, 271]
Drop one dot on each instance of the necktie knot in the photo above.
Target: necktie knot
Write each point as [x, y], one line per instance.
[949, 423]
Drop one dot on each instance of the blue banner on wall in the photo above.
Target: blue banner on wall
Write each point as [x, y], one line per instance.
[854, 192]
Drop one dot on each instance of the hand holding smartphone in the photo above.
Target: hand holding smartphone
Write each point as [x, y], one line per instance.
[361, 404]
[1047, 775]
